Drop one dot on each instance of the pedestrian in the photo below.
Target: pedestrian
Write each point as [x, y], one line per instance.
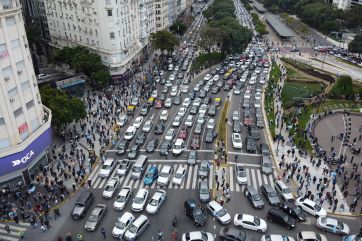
[103, 232]
[217, 185]
[7, 228]
[89, 183]
[160, 235]
[341, 207]
[44, 228]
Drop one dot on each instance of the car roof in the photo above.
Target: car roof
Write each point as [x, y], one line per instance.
[180, 169]
[112, 180]
[166, 168]
[108, 161]
[124, 191]
[252, 190]
[141, 192]
[248, 217]
[240, 167]
[153, 168]
[157, 195]
[125, 217]
[204, 162]
[328, 220]
[139, 220]
[215, 205]
[307, 235]
[307, 201]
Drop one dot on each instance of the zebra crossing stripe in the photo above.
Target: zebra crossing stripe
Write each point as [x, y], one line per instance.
[254, 178]
[95, 184]
[237, 187]
[102, 183]
[189, 175]
[186, 174]
[2, 237]
[231, 182]
[248, 175]
[195, 177]
[136, 183]
[127, 178]
[96, 170]
[16, 227]
[259, 177]
[271, 180]
[211, 175]
[265, 178]
[14, 233]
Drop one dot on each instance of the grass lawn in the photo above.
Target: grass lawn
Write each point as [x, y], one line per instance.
[293, 73]
[293, 91]
[222, 123]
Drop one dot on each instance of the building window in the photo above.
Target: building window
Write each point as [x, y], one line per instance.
[25, 85]
[15, 43]
[111, 35]
[35, 124]
[109, 13]
[20, 65]
[18, 112]
[4, 143]
[2, 121]
[7, 72]
[10, 21]
[30, 104]
[2, 48]
[13, 92]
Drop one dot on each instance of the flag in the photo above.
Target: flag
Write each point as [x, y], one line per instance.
[23, 127]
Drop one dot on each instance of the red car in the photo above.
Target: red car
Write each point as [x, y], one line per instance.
[158, 104]
[195, 143]
[248, 121]
[183, 133]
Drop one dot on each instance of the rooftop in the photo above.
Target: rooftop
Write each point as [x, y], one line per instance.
[282, 29]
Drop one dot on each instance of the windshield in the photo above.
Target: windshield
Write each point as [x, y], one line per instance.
[221, 213]
[197, 211]
[129, 133]
[136, 169]
[298, 210]
[272, 194]
[154, 202]
[164, 174]
[138, 200]
[109, 188]
[255, 197]
[178, 175]
[106, 167]
[92, 218]
[242, 174]
[123, 166]
[79, 205]
[340, 225]
[120, 225]
[257, 221]
[286, 218]
[132, 229]
[286, 190]
[204, 191]
[149, 175]
[203, 168]
[120, 198]
[317, 207]
[266, 164]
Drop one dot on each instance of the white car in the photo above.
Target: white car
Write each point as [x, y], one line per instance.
[147, 126]
[179, 176]
[236, 115]
[130, 132]
[172, 77]
[154, 94]
[210, 123]
[258, 96]
[177, 121]
[236, 139]
[156, 201]
[309, 235]
[164, 176]
[216, 77]
[140, 200]
[170, 134]
[201, 119]
[189, 120]
[184, 89]
[165, 90]
[311, 207]
[182, 111]
[122, 224]
[203, 109]
[122, 120]
[111, 187]
[197, 88]
[197, 102]
[240, 173]
[207, 77]
[138, 122]
[219, 212]
[186, 102]
[279, 237]
[168, 103]
[174, 91]
[122, 198]
[237, 91]
[257, 103]
[197, 236]
[164, 115]
[250, 222]
[107, 167]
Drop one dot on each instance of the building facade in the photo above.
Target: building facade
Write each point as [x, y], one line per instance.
[344, 4]
[24, 122]
[161, 16]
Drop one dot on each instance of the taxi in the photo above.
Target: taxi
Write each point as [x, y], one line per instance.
[217, 101]
[131, 109]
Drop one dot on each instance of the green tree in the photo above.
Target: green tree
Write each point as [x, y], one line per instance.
[355, 46]
[163, 40]
[343, 88]
[65, 108]
[101, 78]
[178, 28]
[210, 37]
[353, 17]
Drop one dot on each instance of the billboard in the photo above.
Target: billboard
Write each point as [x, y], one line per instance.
[22, 159]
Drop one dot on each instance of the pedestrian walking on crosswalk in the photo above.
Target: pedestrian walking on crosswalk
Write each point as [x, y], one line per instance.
[7, 228]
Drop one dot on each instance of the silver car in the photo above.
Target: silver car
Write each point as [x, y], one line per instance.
[266, 165]
[95, 217]
[332, 225]
[204, 192]
[203, 171]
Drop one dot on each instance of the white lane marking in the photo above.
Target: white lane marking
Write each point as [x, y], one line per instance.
[248, 175]
[231, 181]
[2, 237]
[253, 176]
[102, 183]
[195, 177]
[260, 182]
[242, 153]
[265, 178]
[95, 170]
[14, 227]
[211, 176]
[95, 184]
[189, 176]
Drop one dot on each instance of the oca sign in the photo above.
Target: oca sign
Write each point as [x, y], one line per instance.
[23, 159]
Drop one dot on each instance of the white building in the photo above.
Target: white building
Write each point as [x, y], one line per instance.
[161, 14]
[117, 30]
[25, 131]
[344, 4]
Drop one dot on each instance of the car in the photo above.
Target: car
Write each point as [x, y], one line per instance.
[151, 176]
[266, 165]
[177, 100]
[207, 77]
[165, 147]
[257, 96]
[197, 102]
[277, 237]
[215, 90]
[124, 167]
[353, 237]
[270, 194]
[172, 77]
[240, 173]
[174, 91]
[95, 217]
[195, 212]
[137, 228]
[182, 133]
[140, 200]
[111, 187]
[210, 135]
[168, 103]
[159, 103]
[312, 236]
[219, 212]
[254, 132]
[204, 169]
[236, 116]
[210, 123]
[277, 216]
[248, 121]
[107, 168]
[177, 121]
[189, 120]
[264, 149]
[144, 110]
[186, 102]
[204, 192]
[122, 198]
[200, 118]
[130, 132]
[311, 207]
[41, 76]
[195, 142]
[203, 109]
[250, 222]
[138, 122]
[293, 210]
[160, 126]
[122, 224]
[332, 225]
[170, 134]
[236, 141]
[191, 160]
[164, 115]
[156, 201]
[198, 128]
[122, 146]
[141, 138]
[147, 126]
[165, 176]
[212, 110]
[253, 197]
[178, 147]
[233, 234]
[181, 112]
[165, 90]
[194, 109]
[236, 126]
[179, 176]
[133, 152]
[152, 145]
[122, 120]
[197, 236]
[250, 144]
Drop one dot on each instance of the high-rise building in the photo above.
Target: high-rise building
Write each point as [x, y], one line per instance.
[25, 130]
[161, 14]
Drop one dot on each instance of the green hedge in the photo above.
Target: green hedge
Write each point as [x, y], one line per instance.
[260, 27]
[207, 60]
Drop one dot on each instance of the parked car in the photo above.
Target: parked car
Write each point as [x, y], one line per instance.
[95, 217]
[156, 201]
[122, 224]
[311, 207]
[294, 211]
[240, 173]
[250, 222]
[270, 194]
[152, 145]
[253, 197]
[233, 234]
[111, 187]
[140, 200]
[124, 167]
[122, 198]
[195, 212]
[219, 212]
[204, 192]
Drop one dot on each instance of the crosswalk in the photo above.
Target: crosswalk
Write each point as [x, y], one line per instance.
[254, 175]
[15, 230]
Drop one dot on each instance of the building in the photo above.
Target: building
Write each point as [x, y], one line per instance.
[344, 4]
[161, 14]
[24, 122]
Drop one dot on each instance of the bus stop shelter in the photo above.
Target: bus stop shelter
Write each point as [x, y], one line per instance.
[283, 31]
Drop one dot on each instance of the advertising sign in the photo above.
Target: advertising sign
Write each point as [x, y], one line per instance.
[23, 158]
[23, 127]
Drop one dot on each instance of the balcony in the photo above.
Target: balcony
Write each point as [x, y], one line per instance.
[9, 5]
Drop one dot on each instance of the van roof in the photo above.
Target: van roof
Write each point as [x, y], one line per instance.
[139, 220]
[83, 196]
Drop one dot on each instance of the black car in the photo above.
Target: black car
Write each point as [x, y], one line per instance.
[253, 197]
[254, 132]
[122, 147]
[160, 126]
[250, 144]
[278, 216]
[152, 145]
[133, 152]
[264, 149]
[165, 147]
[270, 194]
[144, 110]
[141, 137]
[294, 211]
[236, 126]
[195, 212]
[202, 94]
[162, 97]
[177, 100]
[233, 234]
[210, 135]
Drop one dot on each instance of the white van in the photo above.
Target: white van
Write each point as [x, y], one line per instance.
[283, 190]
[140, 167]
[130, 132]
[179, 147]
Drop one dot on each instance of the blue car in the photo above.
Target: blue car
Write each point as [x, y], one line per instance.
[151, 176]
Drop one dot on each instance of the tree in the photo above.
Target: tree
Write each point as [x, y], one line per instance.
[355, 46]
[343, 88]
[178, 28]
[163, 40]
[353, 17]
[101, 78]
[210, 37]
[65, 108]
